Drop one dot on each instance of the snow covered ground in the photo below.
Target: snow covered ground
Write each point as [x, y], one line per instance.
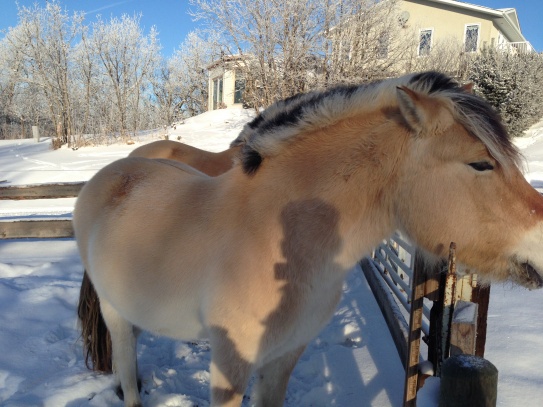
[353, 362]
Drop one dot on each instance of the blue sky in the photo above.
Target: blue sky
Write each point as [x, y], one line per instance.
[170, 17]
[173, 22]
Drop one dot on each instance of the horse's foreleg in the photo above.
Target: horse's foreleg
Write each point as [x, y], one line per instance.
[123, 341]
[230, 372]
[272, 380]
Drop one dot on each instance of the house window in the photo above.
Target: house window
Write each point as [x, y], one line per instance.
[217, 92]
[238, 91]
[471, 38]
[382, 46]
[425, 42]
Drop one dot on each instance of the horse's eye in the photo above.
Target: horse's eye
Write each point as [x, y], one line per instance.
[481, 166]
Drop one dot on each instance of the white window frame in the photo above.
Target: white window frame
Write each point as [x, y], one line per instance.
[431, 41]
[478, 36]
[218, 91]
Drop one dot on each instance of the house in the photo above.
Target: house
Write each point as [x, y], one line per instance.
[226, 84]
[476, 27]
[471, 27]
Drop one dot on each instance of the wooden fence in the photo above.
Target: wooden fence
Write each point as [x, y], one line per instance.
[38, 228]
[426, 302]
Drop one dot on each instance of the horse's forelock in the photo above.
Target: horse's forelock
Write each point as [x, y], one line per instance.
[482, 120]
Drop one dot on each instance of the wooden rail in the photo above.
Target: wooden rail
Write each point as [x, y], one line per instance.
[41, 191]
[38, 228]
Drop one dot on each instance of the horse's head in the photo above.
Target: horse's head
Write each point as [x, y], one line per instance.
[461, 182]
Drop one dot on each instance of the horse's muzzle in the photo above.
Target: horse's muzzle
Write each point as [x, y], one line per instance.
[527, 275]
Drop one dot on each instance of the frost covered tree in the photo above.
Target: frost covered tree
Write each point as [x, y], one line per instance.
[127, 57]
[512, 83]
[299, 45]
[446, 56]
[189, 66]
[180, 83]
[365, 41]
[277, 38]
[43, 39]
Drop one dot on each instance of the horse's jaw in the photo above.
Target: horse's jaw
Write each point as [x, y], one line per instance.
[526, 262]
[526, 275]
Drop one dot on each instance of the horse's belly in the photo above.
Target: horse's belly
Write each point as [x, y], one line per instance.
[175, 319]
[183, 326]
[159, 305]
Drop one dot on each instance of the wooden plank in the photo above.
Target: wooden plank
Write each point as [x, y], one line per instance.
[435, 289]
[406, 246]
[392, 273]
[448, 304]
[41, 191]
[42, 229]
[464, 287]
[396, 259]
[402, 296]
[389, 308]
[481, 296]
[464, 328]
[415, 327]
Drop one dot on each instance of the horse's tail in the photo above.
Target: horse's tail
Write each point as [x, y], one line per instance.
[96, 337]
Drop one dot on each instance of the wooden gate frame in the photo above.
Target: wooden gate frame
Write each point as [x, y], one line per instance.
[431, 282]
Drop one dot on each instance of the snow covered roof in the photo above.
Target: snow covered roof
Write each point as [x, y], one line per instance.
[506, 19]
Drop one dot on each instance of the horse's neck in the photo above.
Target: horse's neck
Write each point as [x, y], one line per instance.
[339, 196]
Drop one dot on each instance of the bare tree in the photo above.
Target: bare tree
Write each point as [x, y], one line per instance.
[446, 55]
[11, 65]
[295, 46]
[278, 39]
[365, 41]
[43, 38]
[128, 57]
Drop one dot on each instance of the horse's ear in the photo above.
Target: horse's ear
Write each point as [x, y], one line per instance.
[468, 87]
[412, 107]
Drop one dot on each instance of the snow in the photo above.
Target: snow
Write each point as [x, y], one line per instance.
[353, 362]
[465, 312]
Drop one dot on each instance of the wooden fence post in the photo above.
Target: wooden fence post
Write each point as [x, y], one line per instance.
[481, 296]
[464, 328]
[415, 326]
[468, 380]
[36, 133]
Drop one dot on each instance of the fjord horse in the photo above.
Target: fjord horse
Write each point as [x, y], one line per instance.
[208, 162]
[254, 259]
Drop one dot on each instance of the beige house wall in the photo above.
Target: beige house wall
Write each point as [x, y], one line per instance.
[449, 22]
[229, 85]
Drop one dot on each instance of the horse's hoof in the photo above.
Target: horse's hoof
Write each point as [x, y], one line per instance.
[119, 390]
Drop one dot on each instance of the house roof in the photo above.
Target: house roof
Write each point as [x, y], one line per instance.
[505, 19]
[225, 59]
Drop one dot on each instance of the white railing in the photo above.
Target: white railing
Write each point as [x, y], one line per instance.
[516, 47]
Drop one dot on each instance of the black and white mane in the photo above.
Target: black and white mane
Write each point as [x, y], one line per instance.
[267, 134]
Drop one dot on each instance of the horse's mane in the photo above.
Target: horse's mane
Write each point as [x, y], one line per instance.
[276, 126]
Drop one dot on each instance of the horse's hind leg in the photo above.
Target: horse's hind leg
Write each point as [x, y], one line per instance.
[272, 380]
[123, 342]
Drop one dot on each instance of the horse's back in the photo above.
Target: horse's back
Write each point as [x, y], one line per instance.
[206, 161]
